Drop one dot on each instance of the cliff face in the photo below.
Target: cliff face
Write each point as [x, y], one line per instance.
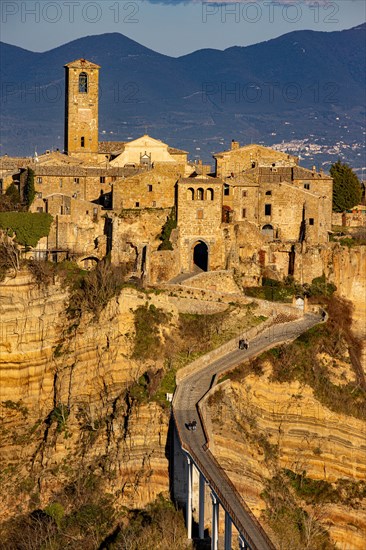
[346, 268]
[261, 428]
[66, 413]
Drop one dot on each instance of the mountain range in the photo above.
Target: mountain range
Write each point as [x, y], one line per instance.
[303, 91]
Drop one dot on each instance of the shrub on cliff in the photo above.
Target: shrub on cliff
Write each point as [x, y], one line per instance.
[95, 289]
[28, 227]
[170, 224]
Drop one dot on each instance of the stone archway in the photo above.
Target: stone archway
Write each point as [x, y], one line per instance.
[200, 256]
[267, 231]
[89, 262]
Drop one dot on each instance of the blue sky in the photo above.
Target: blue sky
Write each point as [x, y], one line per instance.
[169, 26]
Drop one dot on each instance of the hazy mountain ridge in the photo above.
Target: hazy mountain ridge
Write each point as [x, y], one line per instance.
[291, 87]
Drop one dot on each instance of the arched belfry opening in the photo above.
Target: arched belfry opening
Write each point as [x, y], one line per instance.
[200, 256]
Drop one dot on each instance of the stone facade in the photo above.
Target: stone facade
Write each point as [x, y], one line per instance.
[239, 159]
[258, 212]
[81, 113]
[199, 208]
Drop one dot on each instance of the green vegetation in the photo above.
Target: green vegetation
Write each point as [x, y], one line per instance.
[59, 415]
[350, 237]
[284, 291]
[10, 200]
[311, 490]
[92, 290]
[347, 190]
[170, 224]
[148, 323]
[286, 496]
[16, 406]
[301, 361]
[295, 528]
[83, 518]
[29, 190]
[27, 227]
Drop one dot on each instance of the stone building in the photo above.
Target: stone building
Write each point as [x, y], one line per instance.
[258, 211]
[81, 113]
[199, 208]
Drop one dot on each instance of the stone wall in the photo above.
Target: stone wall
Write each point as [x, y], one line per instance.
[154, 188]
[199, 221]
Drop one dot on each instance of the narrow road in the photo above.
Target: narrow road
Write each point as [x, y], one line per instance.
[185, 409]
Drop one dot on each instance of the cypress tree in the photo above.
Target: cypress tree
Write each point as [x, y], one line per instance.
[346, 187]
[29, 190]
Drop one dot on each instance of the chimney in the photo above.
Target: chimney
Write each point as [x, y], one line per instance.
[234, 144]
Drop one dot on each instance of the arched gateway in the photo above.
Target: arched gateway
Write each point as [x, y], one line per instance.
[200, 255]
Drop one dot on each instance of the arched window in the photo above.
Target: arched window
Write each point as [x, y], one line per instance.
[83, 83]
[190, 194]
[210, 194]
[200, 194]
[82, 141]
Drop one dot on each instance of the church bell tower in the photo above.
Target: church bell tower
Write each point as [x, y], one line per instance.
[81, 110]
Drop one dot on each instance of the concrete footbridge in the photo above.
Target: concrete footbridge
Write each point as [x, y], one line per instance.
[191, 388]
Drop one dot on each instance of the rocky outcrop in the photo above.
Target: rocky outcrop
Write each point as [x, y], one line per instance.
[261, 427]
[65, 406]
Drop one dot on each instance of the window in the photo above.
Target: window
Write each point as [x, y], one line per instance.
[210, 194]
[149, 188]
[82, 141]
[61, 210]
[137, 204]
[199, 214]
[269, 193]
[102, 179]
[267, 209]
[311, 221]
[114, 178]
[306, 185]
[244, 213]
[153, 204]
[60, 182]
[39, 179]
[200, 194]
[244, 194]
[83, 83]
[39, 195]
[190, 194]
[76, 180]
[226, 189]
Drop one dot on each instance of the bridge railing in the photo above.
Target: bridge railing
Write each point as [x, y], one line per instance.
[222, 498]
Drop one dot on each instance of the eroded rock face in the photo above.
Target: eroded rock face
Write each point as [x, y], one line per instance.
[261, 427]
[65, 413]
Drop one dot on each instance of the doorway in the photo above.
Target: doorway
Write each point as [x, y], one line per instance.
[200, 256]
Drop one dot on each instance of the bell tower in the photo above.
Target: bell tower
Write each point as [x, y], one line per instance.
[81, 110]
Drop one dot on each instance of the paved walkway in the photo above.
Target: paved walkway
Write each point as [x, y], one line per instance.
[185, 409]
